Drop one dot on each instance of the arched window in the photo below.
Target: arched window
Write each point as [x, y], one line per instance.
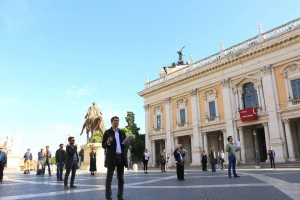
[249, 96]
[157, 118]
[181, 112]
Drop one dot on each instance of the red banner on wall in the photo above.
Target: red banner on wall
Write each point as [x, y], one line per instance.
[248, 114]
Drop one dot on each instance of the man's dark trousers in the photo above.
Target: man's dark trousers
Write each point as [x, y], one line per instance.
[232, 161]
[1, 171]
[180, 171]
[73, 168]
[49, 169]
[272, 161]
[59, 170]
[120, 174]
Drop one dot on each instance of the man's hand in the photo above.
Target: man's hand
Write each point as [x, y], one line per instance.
[109, 140]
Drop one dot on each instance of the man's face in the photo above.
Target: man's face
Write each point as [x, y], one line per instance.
[72, 141]
[61, 146]
[1, 149]
[115, 122]
[230, 139]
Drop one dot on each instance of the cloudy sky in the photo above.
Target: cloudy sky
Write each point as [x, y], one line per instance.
[57, 57]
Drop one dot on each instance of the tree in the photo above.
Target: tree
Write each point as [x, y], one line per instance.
[97, 138]
[137, 144]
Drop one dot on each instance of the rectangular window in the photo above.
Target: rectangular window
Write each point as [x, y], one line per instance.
[212, 109]
[296, 88]
[182, 116]
[158, 121]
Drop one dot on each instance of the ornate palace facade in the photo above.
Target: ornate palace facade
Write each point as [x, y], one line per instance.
[250, 91]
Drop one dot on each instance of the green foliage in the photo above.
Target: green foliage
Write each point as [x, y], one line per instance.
[127, 131]
[81, 154]
[131, 125]
[137, 143]
[52, 161]
[97, 138]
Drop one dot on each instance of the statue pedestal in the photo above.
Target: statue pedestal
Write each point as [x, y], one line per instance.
[100, 157]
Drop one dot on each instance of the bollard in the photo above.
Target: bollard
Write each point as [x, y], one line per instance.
[135, 167]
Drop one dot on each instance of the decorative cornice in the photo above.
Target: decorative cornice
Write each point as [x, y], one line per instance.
[286, 121]
[194, 92]
[226, 62]
[225, 82]
[168, 100]
[266, 70]
[181, 102]
[157, 109]
[146, 107]
[265, 124]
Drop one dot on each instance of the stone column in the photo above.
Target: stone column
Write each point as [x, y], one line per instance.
[196, 140]
[147, 125]
[240, 95]
[262, 99]
[228, 111]
[271, 108]
[289, 140]
[205, 143]
[169, 146]
[225, 144]
[243, 154]
[153, 153]
[267, 135]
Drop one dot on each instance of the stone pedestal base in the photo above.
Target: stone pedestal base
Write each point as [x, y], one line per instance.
[100, 157]
[13, 162]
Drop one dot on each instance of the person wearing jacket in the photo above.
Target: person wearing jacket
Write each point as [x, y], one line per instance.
[116, 156]
[71, 162]
[60, 161]
[3, 162]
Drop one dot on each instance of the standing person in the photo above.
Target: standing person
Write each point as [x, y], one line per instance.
[71, 162]
[3, 162]
[271, 154]
[40, 164]
[222, 159]
[204, 161]
[146, 160]
[116, 156]
[213, 159]
[27, 160]
[179, 163]
[93, 166]
[47, 157]
[60, 157]
[163, 158]
[231, 149]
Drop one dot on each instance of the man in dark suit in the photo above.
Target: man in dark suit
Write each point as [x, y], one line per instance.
[116, 156]
[3, 161]
[271, 154]
[60, 161]
[179, 162]
[71, 162]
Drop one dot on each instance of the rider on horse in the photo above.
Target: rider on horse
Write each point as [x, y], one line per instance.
[93, 112]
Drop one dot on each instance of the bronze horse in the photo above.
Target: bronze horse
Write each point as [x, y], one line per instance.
[94, 124]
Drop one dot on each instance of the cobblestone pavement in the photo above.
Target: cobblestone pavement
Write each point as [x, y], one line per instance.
[253, 184]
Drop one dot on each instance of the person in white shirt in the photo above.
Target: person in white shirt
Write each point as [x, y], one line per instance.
[145, 160]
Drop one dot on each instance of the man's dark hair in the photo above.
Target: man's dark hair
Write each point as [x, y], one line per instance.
[61, 144]
[112, 119]
[229, 138]
[70, 138]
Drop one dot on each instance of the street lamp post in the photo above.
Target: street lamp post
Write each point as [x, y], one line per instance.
[256, 149]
